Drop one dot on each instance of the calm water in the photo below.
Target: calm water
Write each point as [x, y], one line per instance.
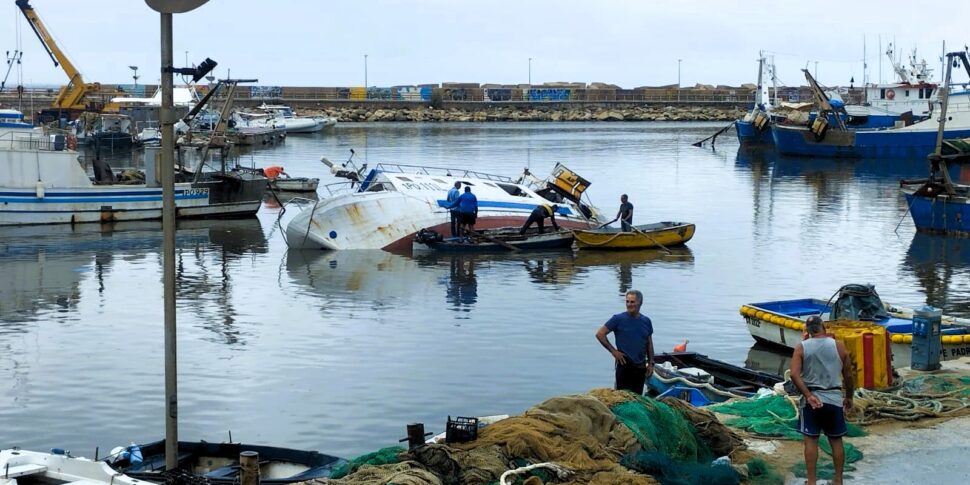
[339, 351]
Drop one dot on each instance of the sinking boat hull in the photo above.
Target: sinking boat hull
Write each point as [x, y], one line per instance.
[530, 242]
[940, 214]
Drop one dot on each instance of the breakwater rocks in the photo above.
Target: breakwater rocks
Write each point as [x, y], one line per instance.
[550, 113]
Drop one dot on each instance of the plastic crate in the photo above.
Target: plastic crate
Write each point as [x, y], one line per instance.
[461, 429]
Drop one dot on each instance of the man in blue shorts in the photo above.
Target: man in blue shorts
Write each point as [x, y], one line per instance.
[633, 352]
[820, 368]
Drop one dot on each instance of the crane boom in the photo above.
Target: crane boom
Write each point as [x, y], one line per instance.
[72, 95]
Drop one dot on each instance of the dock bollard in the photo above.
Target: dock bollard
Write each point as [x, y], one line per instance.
[248, 468]
[416, 435]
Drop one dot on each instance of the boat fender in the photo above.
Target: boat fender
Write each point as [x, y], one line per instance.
[681, 347]
[761, 121]
[39, 188]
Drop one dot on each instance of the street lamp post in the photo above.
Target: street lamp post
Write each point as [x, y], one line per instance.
[135, 75]
[365, 72]
[678, 78]
[530, 73]
[166, 8]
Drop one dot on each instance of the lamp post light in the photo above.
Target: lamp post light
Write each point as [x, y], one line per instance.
[678, 78]
[166, 8]
[135, 75]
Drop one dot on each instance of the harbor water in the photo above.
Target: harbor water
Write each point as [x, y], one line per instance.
[339, 351]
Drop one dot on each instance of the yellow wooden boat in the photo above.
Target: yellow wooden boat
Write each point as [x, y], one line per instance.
[646, 236]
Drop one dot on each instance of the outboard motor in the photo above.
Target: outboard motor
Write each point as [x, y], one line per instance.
[858, 302]
[427, 236]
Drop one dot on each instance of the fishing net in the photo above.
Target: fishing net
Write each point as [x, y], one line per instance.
[680, 472]
[383, 456]
[825, 468]
[661, 427]
[917, 397]
[772, 417]
[759, 473]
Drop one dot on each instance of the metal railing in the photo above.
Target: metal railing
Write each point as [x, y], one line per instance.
[29, 140]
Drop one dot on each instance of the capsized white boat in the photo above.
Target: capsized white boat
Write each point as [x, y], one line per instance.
[283, 116]
[22, 466]
[384, 208]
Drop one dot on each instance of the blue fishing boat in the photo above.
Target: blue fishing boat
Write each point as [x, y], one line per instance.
[838, 137]
[937, 204]
[701, 380]
[755, 127]
[781, 323]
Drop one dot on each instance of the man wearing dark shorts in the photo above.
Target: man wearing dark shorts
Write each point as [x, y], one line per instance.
[633, 352]
[467, 205]
[820, 368]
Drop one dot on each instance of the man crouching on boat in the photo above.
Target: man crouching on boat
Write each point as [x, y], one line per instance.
[820, 367]
[634, 344]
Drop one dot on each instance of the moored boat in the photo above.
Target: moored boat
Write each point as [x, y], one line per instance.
[218, 463]
[43, 183]
[937, 204]
[782, 322]
[385, 207]
[295, 184]
[23, 466]
[500, 239]
[701, 380]
[660, 234]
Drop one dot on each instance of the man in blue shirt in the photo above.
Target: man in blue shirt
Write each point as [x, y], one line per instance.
[467, 205]
[453, 195]
[633, 352]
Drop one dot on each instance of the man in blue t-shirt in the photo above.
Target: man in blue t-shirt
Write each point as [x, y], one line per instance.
[634, 344]
[467, 205]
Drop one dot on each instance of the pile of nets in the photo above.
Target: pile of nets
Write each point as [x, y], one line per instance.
[603, 437]
[825, 467]
[917, 397]
[768, 417]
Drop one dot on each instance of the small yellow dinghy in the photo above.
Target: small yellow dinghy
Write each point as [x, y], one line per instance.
[660, 234]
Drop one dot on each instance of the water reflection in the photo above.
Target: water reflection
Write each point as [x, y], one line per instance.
[768, 359]
[462, 286]
[626, 261]
[44, 267]
[941, 265]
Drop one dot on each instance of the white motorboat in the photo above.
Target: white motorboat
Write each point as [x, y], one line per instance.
[41, 182]
[285, 117]
[385, 207]
[52, 468]
[13, 120]
[295, 184]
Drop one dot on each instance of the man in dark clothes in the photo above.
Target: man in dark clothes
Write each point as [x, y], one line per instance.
[625, 215]
[538, 216]
[453, 195]
[634, 344]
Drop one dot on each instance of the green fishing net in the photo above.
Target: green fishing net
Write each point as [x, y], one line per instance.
[772, 416]
[383, 456]
[659, 427]
[677, 472]
[825, 469]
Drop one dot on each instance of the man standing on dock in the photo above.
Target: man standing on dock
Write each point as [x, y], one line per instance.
[453, 195]
[820, 367]
[634, 344]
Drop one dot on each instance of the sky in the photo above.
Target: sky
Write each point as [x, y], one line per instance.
[627, 43]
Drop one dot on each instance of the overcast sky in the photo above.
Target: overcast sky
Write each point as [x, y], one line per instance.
[628, 43]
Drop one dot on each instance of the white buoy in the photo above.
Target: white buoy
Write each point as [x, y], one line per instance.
[40, 189]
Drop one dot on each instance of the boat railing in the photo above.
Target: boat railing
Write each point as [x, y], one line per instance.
[33, 141]
[338, 188]
[448, 172]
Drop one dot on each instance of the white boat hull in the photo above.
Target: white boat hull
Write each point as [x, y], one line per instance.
[50, 468]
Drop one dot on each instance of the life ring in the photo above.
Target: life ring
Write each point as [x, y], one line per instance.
[890, 94]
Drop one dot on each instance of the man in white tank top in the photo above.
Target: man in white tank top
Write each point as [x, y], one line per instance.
[820, 368]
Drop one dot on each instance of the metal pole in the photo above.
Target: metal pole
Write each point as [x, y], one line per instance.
[530, 73]
[678, 79]
[365, 72]
[167, 119]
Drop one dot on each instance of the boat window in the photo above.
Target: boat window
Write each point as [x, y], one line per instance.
[380, 187]
[882, 93]
[404, 179]
[439, 181]
[489, 184]
[906, 93]
[513, 190]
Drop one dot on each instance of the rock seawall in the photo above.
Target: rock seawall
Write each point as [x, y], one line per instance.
[427, 113]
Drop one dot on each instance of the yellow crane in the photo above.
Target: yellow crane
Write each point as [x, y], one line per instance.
[71, 100]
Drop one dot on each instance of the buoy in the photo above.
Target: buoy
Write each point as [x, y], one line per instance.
[682, 347]
[39, 189]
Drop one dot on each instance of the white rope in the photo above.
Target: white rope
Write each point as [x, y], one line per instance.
[561, 472]
[697, 385]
